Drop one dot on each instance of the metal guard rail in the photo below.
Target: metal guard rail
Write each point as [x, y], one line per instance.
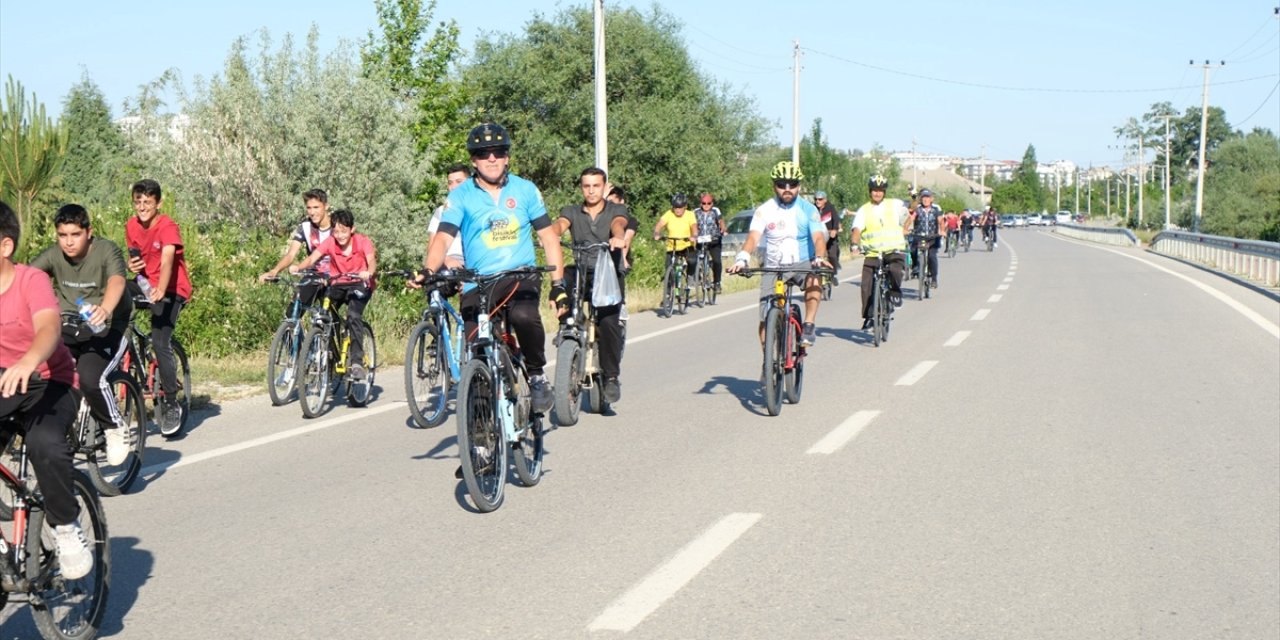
[1105, 235]
[1253, 259]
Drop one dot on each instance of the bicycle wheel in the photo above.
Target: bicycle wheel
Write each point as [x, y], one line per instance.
[183, 375]
[568, 387]
[9, 451]
[62, 608]
[878, 301]
[886, 315]
[951, 248]
[527, 448]
[482, 446]
[595, 393]
[922, 289]
[426, 375]
[668, 294]
[109, 479]
[682, 291]
[281, 362]
[794, 378]
[314, 372]
[774, 339]
[360, 390]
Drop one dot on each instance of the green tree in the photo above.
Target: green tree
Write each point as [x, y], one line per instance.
[32, 149]
[842, 175]
[96, 160]
[1023, 192]
[418, 68]
[1242, 189]
[1186, 138]
[670, 128]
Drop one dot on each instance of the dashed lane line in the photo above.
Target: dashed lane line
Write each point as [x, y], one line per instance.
[957, 339]
[916, 373]
[981, 314]
[844, 433]
[650, 593]
[995, 298]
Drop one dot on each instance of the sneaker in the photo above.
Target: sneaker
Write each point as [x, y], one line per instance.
[357, 372]
[612, 390]
[717, 287]
[896, 298]
[171, 418]
[808, 335]
[117, 446]
[867, 324]
[835, 282]
[542, 395]
[623, 316]
[933, 283]
[73, 551]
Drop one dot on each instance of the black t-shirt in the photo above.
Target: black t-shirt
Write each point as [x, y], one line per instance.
[585, 230]
[827, 213]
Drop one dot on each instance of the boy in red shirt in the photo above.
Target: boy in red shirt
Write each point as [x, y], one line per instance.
[352, 262]
[156, 255]
[36, 375]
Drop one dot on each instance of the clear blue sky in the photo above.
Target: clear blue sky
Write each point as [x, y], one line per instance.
[876, 73]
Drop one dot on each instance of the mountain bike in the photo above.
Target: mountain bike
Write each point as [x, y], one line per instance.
[286, 344]
[989, 236]
[62, 608]
[577, 351]
[434, 354]
[140, 361]
[953, 243]
[323, 360]
[783, 369]
[495, 405]
[967, 236]
[675, 285]
[704, 279]
[881, 303]
[922, 265]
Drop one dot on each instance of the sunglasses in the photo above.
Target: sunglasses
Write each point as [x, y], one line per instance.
[484, 154]
[786, 184]
[706, 202]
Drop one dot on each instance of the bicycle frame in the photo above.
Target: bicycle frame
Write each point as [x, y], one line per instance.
[451, 325]
[14, 551]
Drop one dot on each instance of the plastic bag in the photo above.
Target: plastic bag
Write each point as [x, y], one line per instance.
[605, 289]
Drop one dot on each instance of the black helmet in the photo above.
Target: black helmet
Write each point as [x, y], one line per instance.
[877, 183]
[679, 200]
[489, 135]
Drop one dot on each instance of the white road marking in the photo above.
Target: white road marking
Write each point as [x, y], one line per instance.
[185, 460]
[643, 599]
[916, 373]
[1003, 287]
[981, 314]
[691, 323]
[1253, 316]
[957, 339]
[845, 432]
[995, 297]
[1010, 279]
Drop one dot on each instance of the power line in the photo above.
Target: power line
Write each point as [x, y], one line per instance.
[735, 47]
[1023, 89]
[1246, 40]
[1264, 54]
[1264, 103]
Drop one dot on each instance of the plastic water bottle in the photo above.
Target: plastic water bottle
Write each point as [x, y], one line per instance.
[86, 312]
[144, 284]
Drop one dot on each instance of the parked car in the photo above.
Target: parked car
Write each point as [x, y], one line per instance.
[1035, 220]
[1006, 220]
[1061, 217]
[736, 232]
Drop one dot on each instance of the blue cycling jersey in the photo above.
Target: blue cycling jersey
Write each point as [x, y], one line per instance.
[496, 234]
[786, 231]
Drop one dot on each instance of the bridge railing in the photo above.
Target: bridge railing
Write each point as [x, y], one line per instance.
[1253, 259]
[1104, 235]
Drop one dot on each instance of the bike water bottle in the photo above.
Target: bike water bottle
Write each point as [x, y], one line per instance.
[144, 285]
[86, 312]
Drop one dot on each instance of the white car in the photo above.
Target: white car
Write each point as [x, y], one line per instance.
[1035, 220]
[1062, 217]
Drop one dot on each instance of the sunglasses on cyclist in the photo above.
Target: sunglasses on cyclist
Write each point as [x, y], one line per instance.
[786, 184]
[485, 153]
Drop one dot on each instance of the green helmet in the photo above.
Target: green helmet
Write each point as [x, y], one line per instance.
[786, 170]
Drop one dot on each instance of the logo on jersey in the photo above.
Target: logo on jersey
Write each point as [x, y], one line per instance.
[511, 203]
[502, 232]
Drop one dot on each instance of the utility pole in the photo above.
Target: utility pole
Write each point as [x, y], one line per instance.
[795, 106]
[1168, 208]
[915, 185]
[1142, 173]
[1108, 193]
[602, 125]
[982, 180]
[1089, 198]
[1076, 181]
[1204, 125]
[1057, 187]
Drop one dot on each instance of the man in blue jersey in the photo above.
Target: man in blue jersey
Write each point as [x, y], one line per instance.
[496, 214]
[794, 236]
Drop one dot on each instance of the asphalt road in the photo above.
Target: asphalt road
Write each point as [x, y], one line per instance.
[1067, 441]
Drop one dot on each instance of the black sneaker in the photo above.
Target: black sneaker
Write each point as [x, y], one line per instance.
[542, 395]
[808, 334]
[867, 324]
[896, 298]
[933, 283]
[612, 390]
[170, 418]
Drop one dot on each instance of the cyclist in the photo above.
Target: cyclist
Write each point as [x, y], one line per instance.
[793, 236]
[598, 220]
[831, 219]
[966, 225]
[877, 233]
[617, 195]
[681, 228]
[91, 270]
[316, 228]
[496, 214]
[990, 222]
[36, 375]
[951, 222]
[455, 175]
[711, 223]
[156, 253]
[924, 225]
[348, 252]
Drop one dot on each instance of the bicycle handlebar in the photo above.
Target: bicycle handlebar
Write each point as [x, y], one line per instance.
[817, 271]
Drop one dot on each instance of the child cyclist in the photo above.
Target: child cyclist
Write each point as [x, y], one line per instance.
[349, 253]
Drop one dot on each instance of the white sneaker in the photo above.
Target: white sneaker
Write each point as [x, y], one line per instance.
[117, 446]
[623, 316]
[73, 551]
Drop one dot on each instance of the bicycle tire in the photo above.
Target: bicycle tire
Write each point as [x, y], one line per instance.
[886, 315]
[568, 384]
[9, 459]
[314, 374]
[712, 292]
[183, 374]
[774, 338]
[427, 375]
[359, 392]
[527, 448]
[482, 446]
[878, 300]
[282, 362]
[922, 289]
[70, 609]
[595, 393]
[113, 480]
[667, 293]
[794, 377]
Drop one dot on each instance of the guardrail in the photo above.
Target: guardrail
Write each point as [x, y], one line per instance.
[1104, 235]
[1253, 259]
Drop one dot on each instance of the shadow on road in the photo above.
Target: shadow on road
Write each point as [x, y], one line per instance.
[131, 567]
[747, 392]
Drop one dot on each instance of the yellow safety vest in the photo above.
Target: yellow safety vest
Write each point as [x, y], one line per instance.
[878, 234]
